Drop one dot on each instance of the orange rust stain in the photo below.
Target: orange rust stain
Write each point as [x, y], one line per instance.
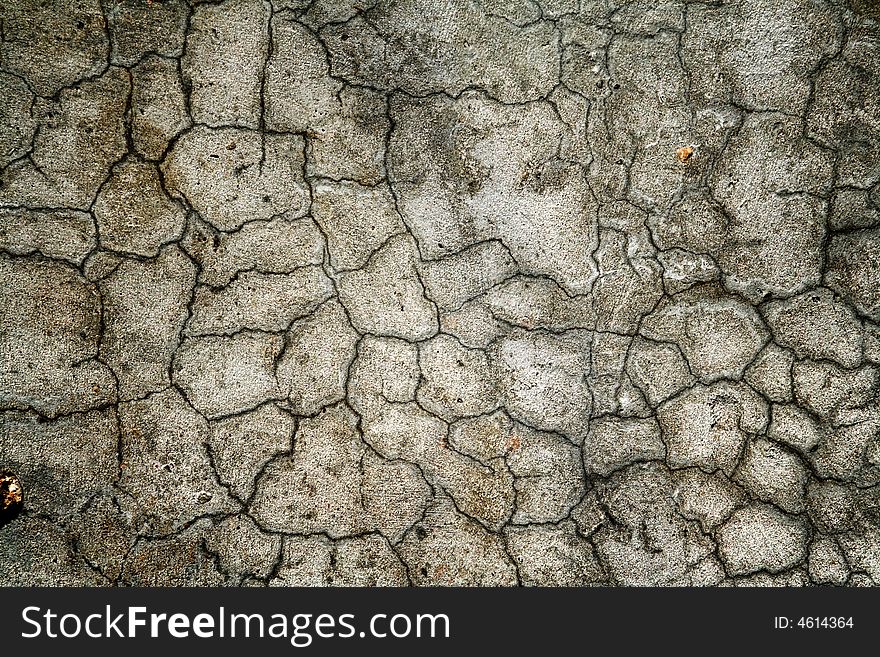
[684, 153]
[11, 492]
[514, 443]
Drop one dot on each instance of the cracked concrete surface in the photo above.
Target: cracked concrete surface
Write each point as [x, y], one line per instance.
[478, 292]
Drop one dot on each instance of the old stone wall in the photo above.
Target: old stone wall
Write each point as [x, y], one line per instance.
[475, 292]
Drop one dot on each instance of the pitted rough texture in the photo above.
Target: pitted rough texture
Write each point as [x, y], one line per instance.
[440, 292]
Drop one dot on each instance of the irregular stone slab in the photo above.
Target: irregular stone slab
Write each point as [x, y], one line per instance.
[614, 443]
[318, 352]
[831, 391]
[145, 308]
[81, 135]
[606, 378]
[137, 29]
[226, 375]
[827, 562]
[105, 532]
[350, 144]
[134, 213]
[174, 561]
[815, 325]
[332, 483]
[472, 324]
[649, 543]
[223, 45]
[542, 380]
[158, 106]
[299, 92]
[761, 54]
[18, 124]
[361, 561]
[100, 264]
[854, 269]
[549, 475]
[648, 116]
[436, 43]
[49, 334]
[682, 269]
[487, 437]
[264, 302]
[833, 507]
[242, 445]
[458, 278]
[346, 125]
[849, 452]
[658, 369]
[456, 381]
[232, 176]
[776, 222]
[485, 494]
[792, 425]
[482, 491]
[696, 223]
[846, 108]
[63, 234]
[760, 537]
[772, 474]
[477, 557]
[357, 221]
[706, 426]
[549, 555]
[394, 493]
[43, 556]
[538, 303]
[852, 209]
[53, 46]
[64, 462]
[718, 336]
[165, 462]
[497, 175]
[770, 373]
[386, 297]
[386, 370]
[278, 246]
[242, 549]
[708, 498]
[631, 287]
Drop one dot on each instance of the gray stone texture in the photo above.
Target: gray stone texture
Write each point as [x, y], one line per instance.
[434, 292]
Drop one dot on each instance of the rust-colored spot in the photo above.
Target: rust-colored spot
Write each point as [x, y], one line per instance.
[684, 153]
[11, 496]
[514, 443]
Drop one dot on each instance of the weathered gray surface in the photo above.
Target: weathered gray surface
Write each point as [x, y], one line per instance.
[440, 292]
